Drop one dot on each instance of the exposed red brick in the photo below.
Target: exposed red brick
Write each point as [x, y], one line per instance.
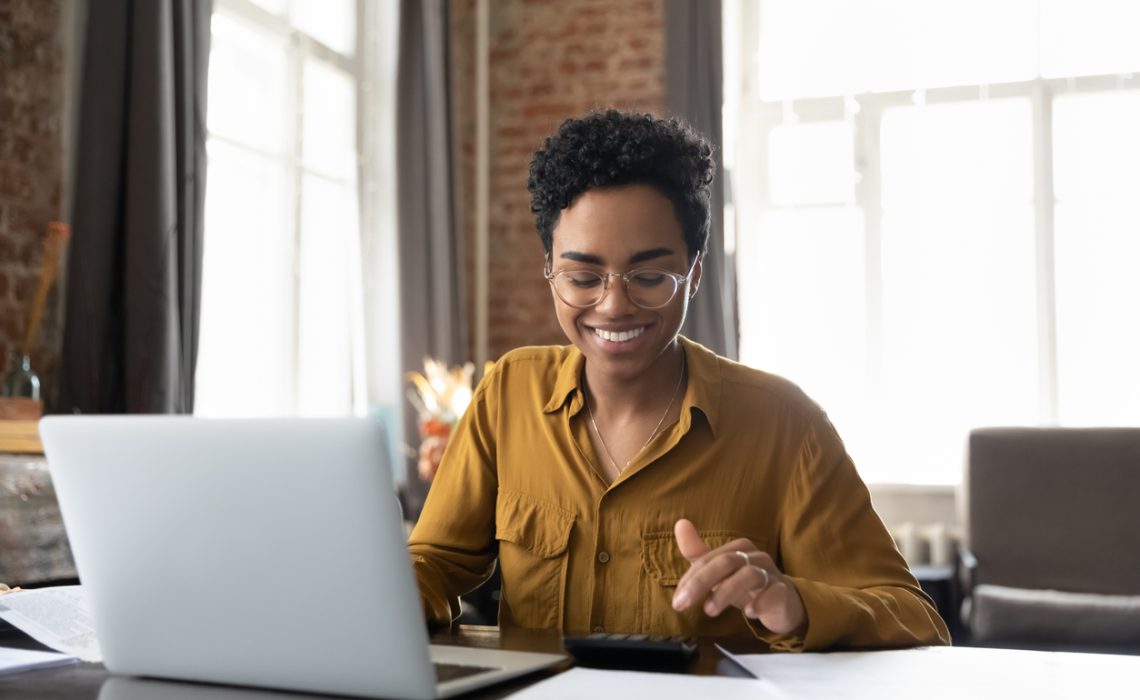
[32, 85]
[549, 60]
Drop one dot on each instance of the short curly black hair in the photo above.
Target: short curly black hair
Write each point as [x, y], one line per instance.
[612, 148]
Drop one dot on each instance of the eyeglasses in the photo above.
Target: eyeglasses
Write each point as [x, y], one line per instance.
[646, 287]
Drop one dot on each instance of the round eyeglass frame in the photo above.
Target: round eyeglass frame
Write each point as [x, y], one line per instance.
[678, 281]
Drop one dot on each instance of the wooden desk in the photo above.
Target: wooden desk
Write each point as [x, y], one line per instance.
[929, 673]
[84, 681]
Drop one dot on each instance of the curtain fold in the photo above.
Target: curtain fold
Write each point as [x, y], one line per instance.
[695, 92]
[134, 268]
[432, 317]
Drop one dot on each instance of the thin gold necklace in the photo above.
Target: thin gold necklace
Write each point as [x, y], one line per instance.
[606, 449]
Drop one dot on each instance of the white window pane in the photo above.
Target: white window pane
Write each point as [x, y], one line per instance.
[959, 281]
[1089, 37]
[248, 95]
[959, 331]
[812, 163]
[837, 47]
[325, 360]
[1098, 304]
[801, 291]
[1097, 243]
[246, 337]
[922, 44]
[331, 22]
[328, 143]
[276, 7]
[972, 151]
[809, 47]
[1096, 147]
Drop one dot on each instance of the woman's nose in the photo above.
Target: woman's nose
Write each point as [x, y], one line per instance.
[615, 299]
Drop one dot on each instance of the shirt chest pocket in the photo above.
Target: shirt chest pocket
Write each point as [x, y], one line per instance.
[663, 567]
[533, 538]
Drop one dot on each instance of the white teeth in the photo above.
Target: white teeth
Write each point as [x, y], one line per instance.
[619, 337]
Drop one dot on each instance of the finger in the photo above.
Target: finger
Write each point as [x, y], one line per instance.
[698, 562]
[779, 608]
[689, 540]
[699, 581]
[739, 590]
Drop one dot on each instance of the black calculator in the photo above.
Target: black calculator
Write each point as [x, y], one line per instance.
[631, 651]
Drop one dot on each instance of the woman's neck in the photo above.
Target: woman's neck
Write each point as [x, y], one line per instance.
[647, 392]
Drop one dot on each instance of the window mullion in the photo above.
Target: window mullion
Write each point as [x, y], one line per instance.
[868, 196]
[296, 171]
[1044, 207]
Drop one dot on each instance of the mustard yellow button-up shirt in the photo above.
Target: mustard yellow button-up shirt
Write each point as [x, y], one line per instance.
[751, 456]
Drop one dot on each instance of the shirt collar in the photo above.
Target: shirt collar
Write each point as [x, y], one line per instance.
[568, 383]
[705, 382]
[702, 393]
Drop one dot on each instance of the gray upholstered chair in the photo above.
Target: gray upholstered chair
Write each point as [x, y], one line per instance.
[1053, 538]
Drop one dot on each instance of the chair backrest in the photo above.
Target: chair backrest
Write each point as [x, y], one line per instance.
[1055, 508]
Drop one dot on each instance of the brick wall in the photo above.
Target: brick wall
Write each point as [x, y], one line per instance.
[549, 60]
[31, 169]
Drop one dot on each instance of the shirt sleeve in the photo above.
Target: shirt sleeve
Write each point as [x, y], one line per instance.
[453, 546]
[855, 586]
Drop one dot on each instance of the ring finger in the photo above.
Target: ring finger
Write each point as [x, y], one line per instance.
[739, 589]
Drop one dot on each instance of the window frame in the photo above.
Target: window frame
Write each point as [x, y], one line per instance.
[300, 49]
[865, 111]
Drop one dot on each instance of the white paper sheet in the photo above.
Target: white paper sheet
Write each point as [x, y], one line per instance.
[56, 617]
[16, 660]
[948, 672]
[597, 684]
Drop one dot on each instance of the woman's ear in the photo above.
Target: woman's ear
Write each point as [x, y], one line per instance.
[695, 279]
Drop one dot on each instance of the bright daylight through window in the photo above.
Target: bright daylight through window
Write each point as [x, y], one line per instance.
[282, 304]
[935, 215]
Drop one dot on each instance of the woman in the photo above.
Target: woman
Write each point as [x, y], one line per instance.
[634, 481]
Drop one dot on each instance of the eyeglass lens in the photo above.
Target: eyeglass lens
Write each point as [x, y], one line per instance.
[650, 289]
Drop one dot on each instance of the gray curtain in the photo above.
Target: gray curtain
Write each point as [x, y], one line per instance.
[432, 317]
[135, 264]
[694, 91]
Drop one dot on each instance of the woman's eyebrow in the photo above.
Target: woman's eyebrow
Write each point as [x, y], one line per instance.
[641, 256]
[649, 255]
[581, 257]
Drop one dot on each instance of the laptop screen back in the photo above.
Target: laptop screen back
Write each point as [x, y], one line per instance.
[266, 552]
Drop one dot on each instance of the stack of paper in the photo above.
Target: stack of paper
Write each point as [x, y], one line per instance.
[16, 660]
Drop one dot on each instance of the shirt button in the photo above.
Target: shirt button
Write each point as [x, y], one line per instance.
[603, 557]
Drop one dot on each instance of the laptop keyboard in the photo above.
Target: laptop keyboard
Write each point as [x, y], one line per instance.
[451, 672]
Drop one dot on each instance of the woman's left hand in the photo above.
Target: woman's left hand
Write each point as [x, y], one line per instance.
[737, 575]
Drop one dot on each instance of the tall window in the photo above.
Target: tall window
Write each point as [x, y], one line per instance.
[282, 325]
[936, 215]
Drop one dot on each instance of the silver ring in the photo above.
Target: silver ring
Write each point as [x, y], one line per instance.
[762, 570]
[764, 586]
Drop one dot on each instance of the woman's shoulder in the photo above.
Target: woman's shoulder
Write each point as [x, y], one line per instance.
[534, 365]
[534, 358]
[536, 354]
[743, 385]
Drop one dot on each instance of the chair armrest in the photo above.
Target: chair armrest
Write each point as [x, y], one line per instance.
[967, 570]
[967, 579]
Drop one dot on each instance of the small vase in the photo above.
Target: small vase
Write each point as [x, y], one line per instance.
[22, 381]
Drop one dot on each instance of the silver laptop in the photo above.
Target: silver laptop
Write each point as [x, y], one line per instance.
[261, 552]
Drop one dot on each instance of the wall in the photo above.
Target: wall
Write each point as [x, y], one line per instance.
[32, 78]
[549, 60]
